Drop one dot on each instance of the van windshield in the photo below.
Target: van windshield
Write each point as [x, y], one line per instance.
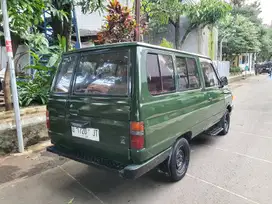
[103, 73]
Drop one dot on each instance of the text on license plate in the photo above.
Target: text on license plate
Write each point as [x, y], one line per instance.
[86, 133]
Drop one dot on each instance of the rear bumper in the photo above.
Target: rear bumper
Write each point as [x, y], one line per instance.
[132, 171]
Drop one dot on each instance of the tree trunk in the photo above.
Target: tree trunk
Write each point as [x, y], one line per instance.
[63, 27]
[15, 44]
[7, 89]
[67, 26]
[184, 37]
[6, 85]
[177, 35]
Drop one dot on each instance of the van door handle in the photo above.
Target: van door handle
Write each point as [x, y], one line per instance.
[73, 114]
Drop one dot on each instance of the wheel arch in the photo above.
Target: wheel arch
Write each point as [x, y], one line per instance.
[229, 108]
[187, 136]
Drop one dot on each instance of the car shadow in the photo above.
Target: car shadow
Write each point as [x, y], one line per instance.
[110, 188]
[203, 140]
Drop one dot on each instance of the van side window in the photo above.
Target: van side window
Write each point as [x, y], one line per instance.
[194, 82]
[153, 74]
[64, 76]
[160, 74]
[210, 76]
[182, 73]
[167, 73]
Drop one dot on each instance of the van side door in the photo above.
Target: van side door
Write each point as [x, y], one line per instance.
[191, 96]
[213, 91]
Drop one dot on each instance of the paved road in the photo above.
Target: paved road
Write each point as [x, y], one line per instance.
[236, 169]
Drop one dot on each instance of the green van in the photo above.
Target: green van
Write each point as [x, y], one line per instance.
[131, 107]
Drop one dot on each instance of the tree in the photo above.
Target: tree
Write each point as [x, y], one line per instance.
[249, 11]
[164, 12]
[266, 45]
[241, 35]
[206, 12]
[63, 26]
[243, 30]
[238, 3]
[201, 14]
[23, 15]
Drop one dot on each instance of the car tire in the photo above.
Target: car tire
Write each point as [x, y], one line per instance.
[179, 160]
[225, 123]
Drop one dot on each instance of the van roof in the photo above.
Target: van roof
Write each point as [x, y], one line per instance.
[128, 44]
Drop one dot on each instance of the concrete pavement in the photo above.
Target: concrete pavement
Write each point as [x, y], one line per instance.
[235, 169]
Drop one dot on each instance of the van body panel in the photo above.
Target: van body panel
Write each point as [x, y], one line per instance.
[166, 116]
[110, 116]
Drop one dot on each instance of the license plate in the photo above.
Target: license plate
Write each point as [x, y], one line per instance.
[86, 133]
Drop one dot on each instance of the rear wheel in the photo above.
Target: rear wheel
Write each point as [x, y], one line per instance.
[179, 160]
[225, 123]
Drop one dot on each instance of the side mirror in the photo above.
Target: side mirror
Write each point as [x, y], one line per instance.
[224, 81]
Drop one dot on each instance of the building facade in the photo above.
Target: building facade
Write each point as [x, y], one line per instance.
[201, 41]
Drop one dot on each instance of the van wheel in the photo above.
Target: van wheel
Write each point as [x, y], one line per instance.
[179, 160]
[225, 123]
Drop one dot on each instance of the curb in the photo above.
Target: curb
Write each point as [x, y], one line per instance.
[238, 78]
[34, 148]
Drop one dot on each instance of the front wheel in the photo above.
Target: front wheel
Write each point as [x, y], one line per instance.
[179, 160]
[225, 123]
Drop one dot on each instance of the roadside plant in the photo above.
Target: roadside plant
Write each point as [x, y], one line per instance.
[166, 43]
[45, 61]
[120, 25]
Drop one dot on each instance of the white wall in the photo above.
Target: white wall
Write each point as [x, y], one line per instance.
[24, 61]
[94, 21]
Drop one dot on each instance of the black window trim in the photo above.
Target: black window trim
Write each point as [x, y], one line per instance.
[174, 70]
[97, 52]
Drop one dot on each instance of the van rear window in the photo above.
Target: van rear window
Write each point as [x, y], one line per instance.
[64, 76]
[103, 73]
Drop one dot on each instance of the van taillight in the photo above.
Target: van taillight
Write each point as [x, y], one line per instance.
[47, 120]
[137, 135]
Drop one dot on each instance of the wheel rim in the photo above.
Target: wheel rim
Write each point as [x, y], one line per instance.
[181, 160]
[226, 123]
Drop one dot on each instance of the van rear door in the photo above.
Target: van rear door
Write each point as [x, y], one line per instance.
[99, 105]
[58, 98]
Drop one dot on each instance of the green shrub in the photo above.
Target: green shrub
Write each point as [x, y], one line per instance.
[165, 43]
[46, 60]
[235, 70]
[34, 91]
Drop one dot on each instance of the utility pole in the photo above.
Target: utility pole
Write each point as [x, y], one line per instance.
[78, 41]
[221, 48]
[12, 75]
[137, 18]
